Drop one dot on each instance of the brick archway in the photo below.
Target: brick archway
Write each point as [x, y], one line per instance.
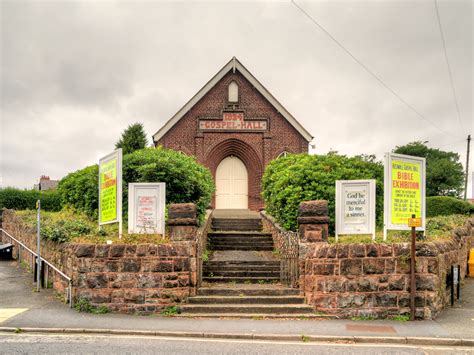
[249, 157]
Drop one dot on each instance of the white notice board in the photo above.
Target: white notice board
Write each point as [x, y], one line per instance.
[355, 207]
[146, 208]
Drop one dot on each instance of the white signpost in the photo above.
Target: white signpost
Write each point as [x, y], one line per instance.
[404, 191]
[110, 189]
[355, 207]
[146, 208]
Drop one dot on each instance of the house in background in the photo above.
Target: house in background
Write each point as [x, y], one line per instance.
[46, 183]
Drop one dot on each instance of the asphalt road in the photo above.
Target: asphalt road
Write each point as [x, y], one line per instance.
[93, 344]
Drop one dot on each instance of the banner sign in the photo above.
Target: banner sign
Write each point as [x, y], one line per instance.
[233, 121]
[355, 207]
[404, 194]
[110, 188]
[146, 208]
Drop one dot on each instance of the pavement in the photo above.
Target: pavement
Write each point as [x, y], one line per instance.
[23, 308]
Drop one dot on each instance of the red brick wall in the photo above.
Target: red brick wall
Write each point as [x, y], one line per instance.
[255, 149]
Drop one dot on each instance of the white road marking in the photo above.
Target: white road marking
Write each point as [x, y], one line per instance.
[7, 313]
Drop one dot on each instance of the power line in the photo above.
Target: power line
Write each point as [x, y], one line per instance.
[447, 62]
[452, 143]
[375, 76]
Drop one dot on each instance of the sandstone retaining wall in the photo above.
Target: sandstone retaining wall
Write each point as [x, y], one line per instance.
[144, 278]
[374, 279]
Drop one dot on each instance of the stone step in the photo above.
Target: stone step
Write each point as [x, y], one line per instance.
[241, 279]
[241, 273]
[246, 219]
[242, 299]
[240, 240]
[241, 243]
[242, 263]
[247, 308]
[221, 268]
[244, 239]
[297, 316]
[242, 247]
[237, 291]
[238, 234]
[236, 224]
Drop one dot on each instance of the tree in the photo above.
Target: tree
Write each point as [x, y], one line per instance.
[444, 172]
[133, 138]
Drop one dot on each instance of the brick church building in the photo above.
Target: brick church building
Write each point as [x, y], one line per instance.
[235, 127]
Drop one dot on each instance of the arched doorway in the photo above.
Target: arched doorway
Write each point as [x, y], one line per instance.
[231, 184]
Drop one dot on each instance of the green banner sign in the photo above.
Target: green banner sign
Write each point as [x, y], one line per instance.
[108, 191]
[110, 188]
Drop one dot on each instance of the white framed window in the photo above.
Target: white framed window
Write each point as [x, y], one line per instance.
[282, 154]
[233, 92]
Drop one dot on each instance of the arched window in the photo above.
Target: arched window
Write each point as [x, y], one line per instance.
[282, 154]
[233, 92]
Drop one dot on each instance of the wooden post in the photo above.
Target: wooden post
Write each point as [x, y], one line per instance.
[412, 271]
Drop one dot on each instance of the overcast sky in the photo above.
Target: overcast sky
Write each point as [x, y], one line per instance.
[75, 74]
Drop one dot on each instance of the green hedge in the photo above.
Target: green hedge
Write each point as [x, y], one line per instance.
[445, 206]
[17, 199]
[80, 190]
[186, 180]
[301, 177]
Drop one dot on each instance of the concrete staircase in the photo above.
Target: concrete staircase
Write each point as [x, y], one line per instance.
[242, 278]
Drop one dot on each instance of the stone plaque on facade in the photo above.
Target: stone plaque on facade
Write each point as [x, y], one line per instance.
[233, 121]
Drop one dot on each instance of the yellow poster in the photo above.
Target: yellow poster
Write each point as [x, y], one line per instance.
[108, 191]
[406, 191]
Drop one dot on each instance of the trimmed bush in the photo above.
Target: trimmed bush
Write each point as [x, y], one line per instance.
[445, 206]
[80, 190]
[301, 177]
[186, 180]
[17, 199]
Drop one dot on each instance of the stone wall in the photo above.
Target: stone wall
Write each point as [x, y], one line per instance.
[141, 279]
[144, 278]
[374, 279]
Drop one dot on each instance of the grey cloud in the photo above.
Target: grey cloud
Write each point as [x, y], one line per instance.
[75, 74]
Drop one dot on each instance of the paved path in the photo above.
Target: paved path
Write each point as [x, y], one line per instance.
[43, 310]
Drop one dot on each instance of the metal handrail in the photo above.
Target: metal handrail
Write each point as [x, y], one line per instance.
[46, 262]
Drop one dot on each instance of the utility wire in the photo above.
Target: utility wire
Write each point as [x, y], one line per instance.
[375, 76]
[447, 62]
[452, 143]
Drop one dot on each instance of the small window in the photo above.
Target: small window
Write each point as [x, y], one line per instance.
[283, 154]
[233, 92]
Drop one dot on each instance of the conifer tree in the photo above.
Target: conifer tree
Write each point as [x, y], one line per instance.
[133, 138]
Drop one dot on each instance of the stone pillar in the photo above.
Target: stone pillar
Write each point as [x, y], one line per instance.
[313, 221]
[182, 228]
[182, 222]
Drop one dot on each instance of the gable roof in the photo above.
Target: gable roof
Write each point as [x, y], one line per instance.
[233, 64]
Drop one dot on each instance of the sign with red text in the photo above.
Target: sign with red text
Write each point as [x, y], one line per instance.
[404, 195]
[146, 208]
[233, 121]
[355, 207]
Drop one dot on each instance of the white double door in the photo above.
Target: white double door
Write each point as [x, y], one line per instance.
[231, 184]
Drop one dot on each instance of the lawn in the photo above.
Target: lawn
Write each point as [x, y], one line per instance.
[76, 227]
[437, 228]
